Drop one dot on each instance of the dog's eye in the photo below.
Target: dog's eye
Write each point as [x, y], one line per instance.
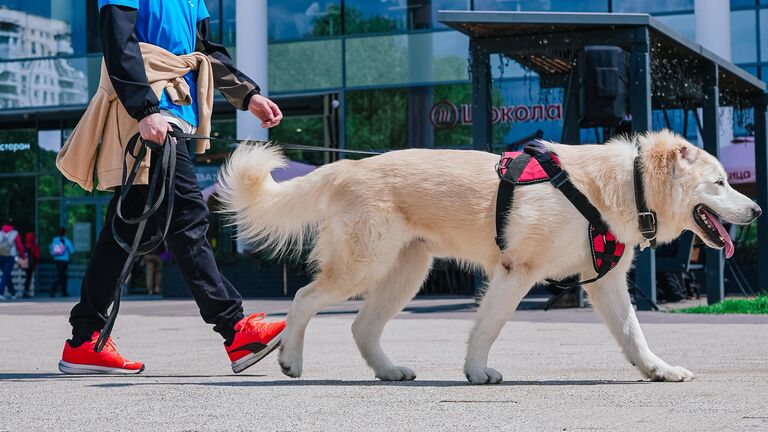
[720, 182]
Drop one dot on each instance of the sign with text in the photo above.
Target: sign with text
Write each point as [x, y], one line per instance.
[81, 236]
[446, 115]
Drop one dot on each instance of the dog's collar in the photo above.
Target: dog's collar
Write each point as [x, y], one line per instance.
[646, 218]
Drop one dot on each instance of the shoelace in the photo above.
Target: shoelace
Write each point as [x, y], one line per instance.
[251, 322]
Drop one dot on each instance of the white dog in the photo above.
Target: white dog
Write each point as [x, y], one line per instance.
[378, 223]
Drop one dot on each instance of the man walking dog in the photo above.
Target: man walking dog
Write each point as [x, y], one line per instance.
[158, 75]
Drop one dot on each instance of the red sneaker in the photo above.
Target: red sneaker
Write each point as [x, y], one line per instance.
[253, 341]
[84, 360]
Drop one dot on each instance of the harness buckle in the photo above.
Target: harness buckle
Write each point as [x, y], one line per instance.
[647, 222]
[559, 179]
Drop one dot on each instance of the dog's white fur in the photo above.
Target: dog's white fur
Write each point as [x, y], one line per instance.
[378, 223]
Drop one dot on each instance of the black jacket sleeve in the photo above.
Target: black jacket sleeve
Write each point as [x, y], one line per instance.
[125, 65]
[233, 84]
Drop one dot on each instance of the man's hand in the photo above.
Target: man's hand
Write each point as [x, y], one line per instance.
[265, 110]
[153, 128]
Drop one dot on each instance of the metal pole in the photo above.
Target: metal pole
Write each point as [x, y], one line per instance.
[640, 77]
[482, 121]
[761, 168]
[713, 272]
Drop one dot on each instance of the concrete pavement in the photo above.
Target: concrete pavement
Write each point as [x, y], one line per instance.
[562, 372]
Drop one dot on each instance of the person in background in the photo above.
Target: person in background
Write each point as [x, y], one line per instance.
[10, 248]
[153, 265]
[61, 248]
[33, 256]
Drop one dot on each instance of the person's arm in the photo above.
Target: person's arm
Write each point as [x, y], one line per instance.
[239, 90]
[125, 66]
[20, 247]
[237, 87]
[124, 62]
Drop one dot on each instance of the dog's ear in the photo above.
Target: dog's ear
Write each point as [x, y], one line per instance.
[685, 156]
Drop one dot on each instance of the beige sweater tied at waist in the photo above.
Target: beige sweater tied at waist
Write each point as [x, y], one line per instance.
[107, 122]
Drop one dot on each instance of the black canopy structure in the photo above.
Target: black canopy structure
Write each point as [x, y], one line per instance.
[666, 71]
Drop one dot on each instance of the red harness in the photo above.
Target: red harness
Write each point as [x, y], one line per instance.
[537, 165]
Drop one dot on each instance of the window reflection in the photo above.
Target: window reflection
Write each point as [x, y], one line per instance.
[297, 19]
[543, 5]
[743, 37]
[42, 28]
[652, 6]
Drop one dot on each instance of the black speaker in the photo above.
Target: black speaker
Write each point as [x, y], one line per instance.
[603, 86]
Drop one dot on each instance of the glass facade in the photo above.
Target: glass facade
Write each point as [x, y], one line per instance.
[362, 74]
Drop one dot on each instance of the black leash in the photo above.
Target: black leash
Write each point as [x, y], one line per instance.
[161, 183]
[163, 176]
[183, 135]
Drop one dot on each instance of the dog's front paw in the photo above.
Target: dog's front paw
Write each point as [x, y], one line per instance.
[397, 373]
[290, 365]
[484, 375]
[670, 374]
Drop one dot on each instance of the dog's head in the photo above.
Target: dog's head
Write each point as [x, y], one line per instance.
[690, 188]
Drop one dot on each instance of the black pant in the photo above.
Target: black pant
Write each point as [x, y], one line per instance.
[61, 278]
[219, 302]
[29, 271]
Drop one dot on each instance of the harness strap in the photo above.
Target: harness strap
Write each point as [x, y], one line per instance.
[561, 181]
[646, 219]
[506, 194]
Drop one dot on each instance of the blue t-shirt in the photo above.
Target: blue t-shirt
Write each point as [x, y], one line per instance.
[171, 25]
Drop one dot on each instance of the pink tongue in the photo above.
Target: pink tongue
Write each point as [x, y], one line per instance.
[723, 233]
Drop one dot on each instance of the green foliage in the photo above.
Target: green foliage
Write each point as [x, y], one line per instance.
[377, 119]
[757, 305]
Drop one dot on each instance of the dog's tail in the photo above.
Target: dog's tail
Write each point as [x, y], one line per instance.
[270, 215]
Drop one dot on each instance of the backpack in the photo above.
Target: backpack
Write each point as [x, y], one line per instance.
[5, 244]
[58, 248]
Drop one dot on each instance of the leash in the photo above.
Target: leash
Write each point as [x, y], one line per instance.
[161, 189]
[187, 136]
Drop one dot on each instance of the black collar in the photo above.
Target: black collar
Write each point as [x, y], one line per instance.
[646, 218]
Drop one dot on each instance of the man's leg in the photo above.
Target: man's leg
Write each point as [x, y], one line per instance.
[7, 267]
[64, 275]
[107, 260]
[219, 302]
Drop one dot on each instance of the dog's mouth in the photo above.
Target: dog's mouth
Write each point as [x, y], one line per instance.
[714, 230]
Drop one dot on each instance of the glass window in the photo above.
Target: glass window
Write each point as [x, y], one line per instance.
[521, 109]
[764, 35]
[652, 6]
[543, 5]
[43, 82]
[742, 4]
[299, 19]
[308, 130]
[401, 59]
[48, 224]
[743, 37]
[17, 201]
[375, 119]
[18, 148]
[228, 23]
[49, 143]
[438, 5]
[49, 185]
[48, 27]
[365, 16]
[683, 24]
[296, 66]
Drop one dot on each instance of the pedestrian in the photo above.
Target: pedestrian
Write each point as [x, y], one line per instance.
[161, 64]
[10, 249]
[153, 266]
[61, 248]
[33, 259]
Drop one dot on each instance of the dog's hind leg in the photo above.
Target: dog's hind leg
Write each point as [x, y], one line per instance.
[504, 292]
[610, 298]
[386, 299]
[351, 263]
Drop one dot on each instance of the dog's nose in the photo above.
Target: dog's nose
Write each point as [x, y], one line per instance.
[756, 212]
